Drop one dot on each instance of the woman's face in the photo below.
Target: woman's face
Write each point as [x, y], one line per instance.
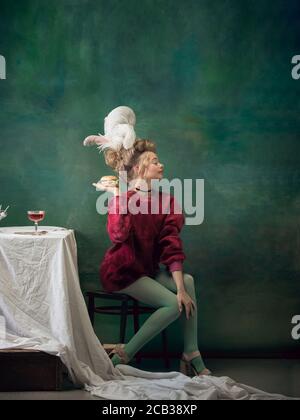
[155, 169]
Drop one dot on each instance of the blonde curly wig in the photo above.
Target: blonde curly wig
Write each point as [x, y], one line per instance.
[125, 160]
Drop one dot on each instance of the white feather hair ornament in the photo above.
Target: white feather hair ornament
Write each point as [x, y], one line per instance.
[118, 130]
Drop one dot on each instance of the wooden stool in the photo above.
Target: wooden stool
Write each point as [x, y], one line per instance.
[128, 306]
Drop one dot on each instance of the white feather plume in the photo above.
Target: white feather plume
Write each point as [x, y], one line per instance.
[118, 130]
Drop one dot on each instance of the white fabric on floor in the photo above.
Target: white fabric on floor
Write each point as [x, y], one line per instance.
[44, 309]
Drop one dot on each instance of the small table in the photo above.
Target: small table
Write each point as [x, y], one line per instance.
[41, 302]
[27, 261]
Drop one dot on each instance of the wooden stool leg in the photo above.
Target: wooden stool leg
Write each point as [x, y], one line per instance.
[165, 348]
[91, 308]
[124, 309]
[136, 316]
[136, 324]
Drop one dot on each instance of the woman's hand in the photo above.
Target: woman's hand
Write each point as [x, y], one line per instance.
[183, 298]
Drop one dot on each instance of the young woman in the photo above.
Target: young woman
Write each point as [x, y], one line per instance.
[141, 243]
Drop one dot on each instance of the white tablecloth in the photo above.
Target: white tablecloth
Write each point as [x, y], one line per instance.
[44, 309]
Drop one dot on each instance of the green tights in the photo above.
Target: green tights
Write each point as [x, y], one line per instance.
[161, 293]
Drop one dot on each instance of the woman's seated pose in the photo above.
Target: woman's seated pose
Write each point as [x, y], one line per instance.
[142, 241]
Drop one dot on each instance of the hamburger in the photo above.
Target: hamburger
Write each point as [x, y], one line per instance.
[108, 181]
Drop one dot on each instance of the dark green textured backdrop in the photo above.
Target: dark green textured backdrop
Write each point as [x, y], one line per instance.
[210, 82]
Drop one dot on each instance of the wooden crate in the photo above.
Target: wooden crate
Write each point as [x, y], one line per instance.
[30, 370]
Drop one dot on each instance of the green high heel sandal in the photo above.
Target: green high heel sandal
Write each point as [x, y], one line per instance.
[187, 368]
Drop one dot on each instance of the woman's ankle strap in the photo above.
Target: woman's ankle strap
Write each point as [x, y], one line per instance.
[189, 356]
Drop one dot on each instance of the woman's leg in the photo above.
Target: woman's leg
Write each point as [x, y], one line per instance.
[150, 292]
[189, 326]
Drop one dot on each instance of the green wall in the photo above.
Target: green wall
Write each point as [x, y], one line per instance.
[210, 82]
